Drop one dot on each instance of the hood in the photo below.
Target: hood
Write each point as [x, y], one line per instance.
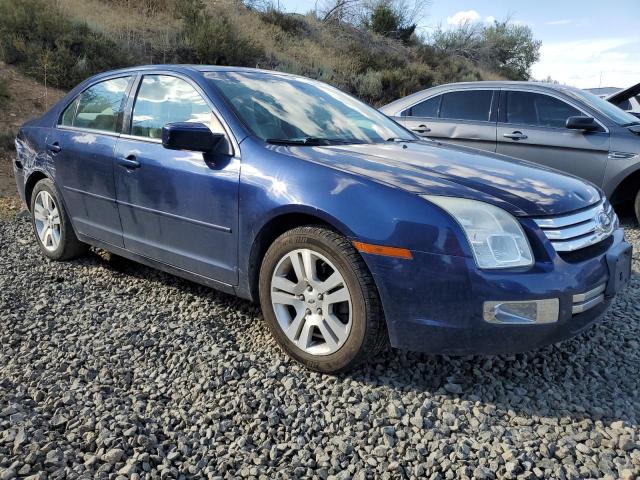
[625, 94]
[522, 188]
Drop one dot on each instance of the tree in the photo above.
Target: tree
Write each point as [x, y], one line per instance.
[510, 49]
[392, 18]
[504, 47]
[386, 20]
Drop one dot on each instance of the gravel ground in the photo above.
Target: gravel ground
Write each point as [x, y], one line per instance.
[113, 370]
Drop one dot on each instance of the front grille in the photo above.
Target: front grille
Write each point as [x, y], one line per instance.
[584, 301]
[574, 231]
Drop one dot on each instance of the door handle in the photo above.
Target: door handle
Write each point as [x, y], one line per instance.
[54, 147]
[129, 162]
[421, 129]
[515, 136]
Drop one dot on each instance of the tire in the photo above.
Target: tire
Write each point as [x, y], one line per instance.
[55, 235]
[339, 334]
[637, 207]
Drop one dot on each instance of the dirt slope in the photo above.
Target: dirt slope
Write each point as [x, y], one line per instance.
[27, 99]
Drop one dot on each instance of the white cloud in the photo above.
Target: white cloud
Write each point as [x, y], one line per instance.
[581, 63]
[555, 23]
[463, 16]
[468, 16]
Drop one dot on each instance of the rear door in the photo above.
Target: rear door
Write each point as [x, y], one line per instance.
[82, 146]
[177, 207]
[463, 117]
[532, 127]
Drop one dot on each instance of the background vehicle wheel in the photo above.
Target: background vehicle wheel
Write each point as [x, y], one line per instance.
[637, 207]
[319, 300]
[51, 224]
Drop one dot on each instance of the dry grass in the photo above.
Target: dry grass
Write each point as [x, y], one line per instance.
[144, 33]
[373, 67]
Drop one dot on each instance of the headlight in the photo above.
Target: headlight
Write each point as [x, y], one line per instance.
[496, 238]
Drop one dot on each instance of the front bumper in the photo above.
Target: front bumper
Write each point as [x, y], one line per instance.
[434, 303]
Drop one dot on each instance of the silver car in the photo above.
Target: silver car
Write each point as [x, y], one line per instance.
[553, 125]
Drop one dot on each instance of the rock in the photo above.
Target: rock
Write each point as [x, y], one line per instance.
[453, 388]
[112, 370]
[113, 456]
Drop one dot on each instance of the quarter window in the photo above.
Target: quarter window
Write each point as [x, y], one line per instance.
[163, 99]
[69, 114]
[98, 106]
[537, 109]
[472, 105]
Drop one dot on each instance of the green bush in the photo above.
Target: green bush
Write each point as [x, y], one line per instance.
[34, 37]
[288, 22]
[214, 40]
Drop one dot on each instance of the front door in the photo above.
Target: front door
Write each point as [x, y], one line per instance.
[177, 207]
[464, 117]
[82, 147]
[532, 127]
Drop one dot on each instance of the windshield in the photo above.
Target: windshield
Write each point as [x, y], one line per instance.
[281, 109]
[614, 113]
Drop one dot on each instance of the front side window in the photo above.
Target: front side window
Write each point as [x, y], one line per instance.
[427, 109]
[284, 109]
[474, 105]
[98, 107]
[164, 99]
[608, 109]
[528, 108]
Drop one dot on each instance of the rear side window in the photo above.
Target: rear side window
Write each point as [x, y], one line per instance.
[98, 107]
[472, 105]
[429, 108]
[537, 109]
[163, 99]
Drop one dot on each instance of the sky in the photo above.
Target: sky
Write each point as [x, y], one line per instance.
[585, 43]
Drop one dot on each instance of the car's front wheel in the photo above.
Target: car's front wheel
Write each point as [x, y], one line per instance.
[51, 224]
[637, 206]
[320, 301]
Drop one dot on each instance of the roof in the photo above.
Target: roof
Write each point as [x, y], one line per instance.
[192, 68]
[603, 90]
[484, 84]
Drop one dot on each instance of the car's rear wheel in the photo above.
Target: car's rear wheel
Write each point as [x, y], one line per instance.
[320, 301]
[51, 224]
[637, 206]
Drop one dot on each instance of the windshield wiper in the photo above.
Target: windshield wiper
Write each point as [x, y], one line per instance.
[400, 139]
[309, 141]
[630, 124]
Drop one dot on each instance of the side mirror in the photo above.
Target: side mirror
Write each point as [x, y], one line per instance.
[195, 137]
[587, 124]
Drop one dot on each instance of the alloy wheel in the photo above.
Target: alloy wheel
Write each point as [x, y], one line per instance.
[311, 301]
[47, 220]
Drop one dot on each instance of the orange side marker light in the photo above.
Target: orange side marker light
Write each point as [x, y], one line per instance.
[383, 250]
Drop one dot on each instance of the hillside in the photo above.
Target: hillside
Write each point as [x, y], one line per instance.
[70, 39]
[24, 98]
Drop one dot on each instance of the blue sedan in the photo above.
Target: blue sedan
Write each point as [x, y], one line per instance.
[350, 231]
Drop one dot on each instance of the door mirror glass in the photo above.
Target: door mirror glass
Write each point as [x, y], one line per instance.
[196, 137]
[588, 124]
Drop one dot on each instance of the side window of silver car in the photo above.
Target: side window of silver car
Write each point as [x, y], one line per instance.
[537, 109]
